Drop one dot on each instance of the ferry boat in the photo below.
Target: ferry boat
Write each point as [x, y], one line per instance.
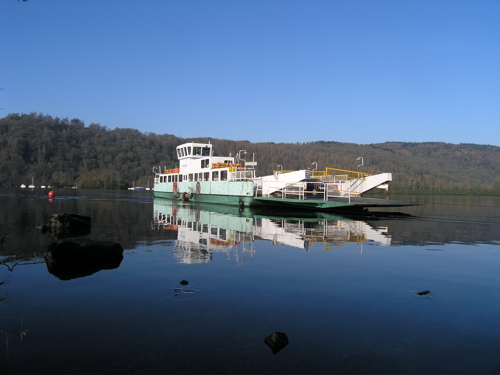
[207, 178]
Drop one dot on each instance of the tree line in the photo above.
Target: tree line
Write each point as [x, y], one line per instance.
[61, 152]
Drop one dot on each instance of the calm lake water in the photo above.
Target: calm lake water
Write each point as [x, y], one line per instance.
[383, 293]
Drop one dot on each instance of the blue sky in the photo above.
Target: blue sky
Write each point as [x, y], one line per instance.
[259, 70]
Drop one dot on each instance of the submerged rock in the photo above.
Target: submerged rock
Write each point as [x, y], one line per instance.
[423, 292]
[276, 341]
[68, 225]
[78, 257]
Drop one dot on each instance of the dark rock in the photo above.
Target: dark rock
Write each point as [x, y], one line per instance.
[84, 246]
[276, 341]
[423, 292]
[78, 257]
[184, 282]
[69, 225]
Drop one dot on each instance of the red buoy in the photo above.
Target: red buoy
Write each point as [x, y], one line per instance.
[52, 194]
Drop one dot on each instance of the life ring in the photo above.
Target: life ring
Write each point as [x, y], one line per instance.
[198, 188]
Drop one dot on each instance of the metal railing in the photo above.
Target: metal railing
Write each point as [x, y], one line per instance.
[320, 190]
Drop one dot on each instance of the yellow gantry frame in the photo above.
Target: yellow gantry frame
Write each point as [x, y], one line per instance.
[335, 172]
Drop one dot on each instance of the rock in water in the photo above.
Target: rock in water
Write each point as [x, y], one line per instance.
[71, 258]
[69, 225]
[423, 292]
[276, 341]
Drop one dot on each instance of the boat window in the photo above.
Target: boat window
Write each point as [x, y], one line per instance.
[223, 175]
[190, 177]
[197, 151]
[206, 151]
[206, 176]
[188, 151]
[215, 176]
[204, 228]
[205, 163]
[180, 178]
[169, 178]
[196, 176]
[178, 153]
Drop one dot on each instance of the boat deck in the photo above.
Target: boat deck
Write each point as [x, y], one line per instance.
[333, 203]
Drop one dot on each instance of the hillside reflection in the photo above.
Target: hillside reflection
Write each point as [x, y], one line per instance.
[205, 229]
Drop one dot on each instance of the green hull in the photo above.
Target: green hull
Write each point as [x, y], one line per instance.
[339, 203]
[209, 198]
[299, 203]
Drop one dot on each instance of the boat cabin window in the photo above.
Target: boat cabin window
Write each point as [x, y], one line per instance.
[169, 178]
[190, 177]
[206, 151]
[206, 176]
[197, 151]
[205, 163]
[223, 175]
[215, 176]
[180, 178]
[188, 151]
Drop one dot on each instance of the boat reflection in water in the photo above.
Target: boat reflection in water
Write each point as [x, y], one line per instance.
[203, 229]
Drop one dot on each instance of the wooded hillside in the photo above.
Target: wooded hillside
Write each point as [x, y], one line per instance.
[61, 152]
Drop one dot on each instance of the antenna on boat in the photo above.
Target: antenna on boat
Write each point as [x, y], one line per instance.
[316, 163]
[360, 158]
